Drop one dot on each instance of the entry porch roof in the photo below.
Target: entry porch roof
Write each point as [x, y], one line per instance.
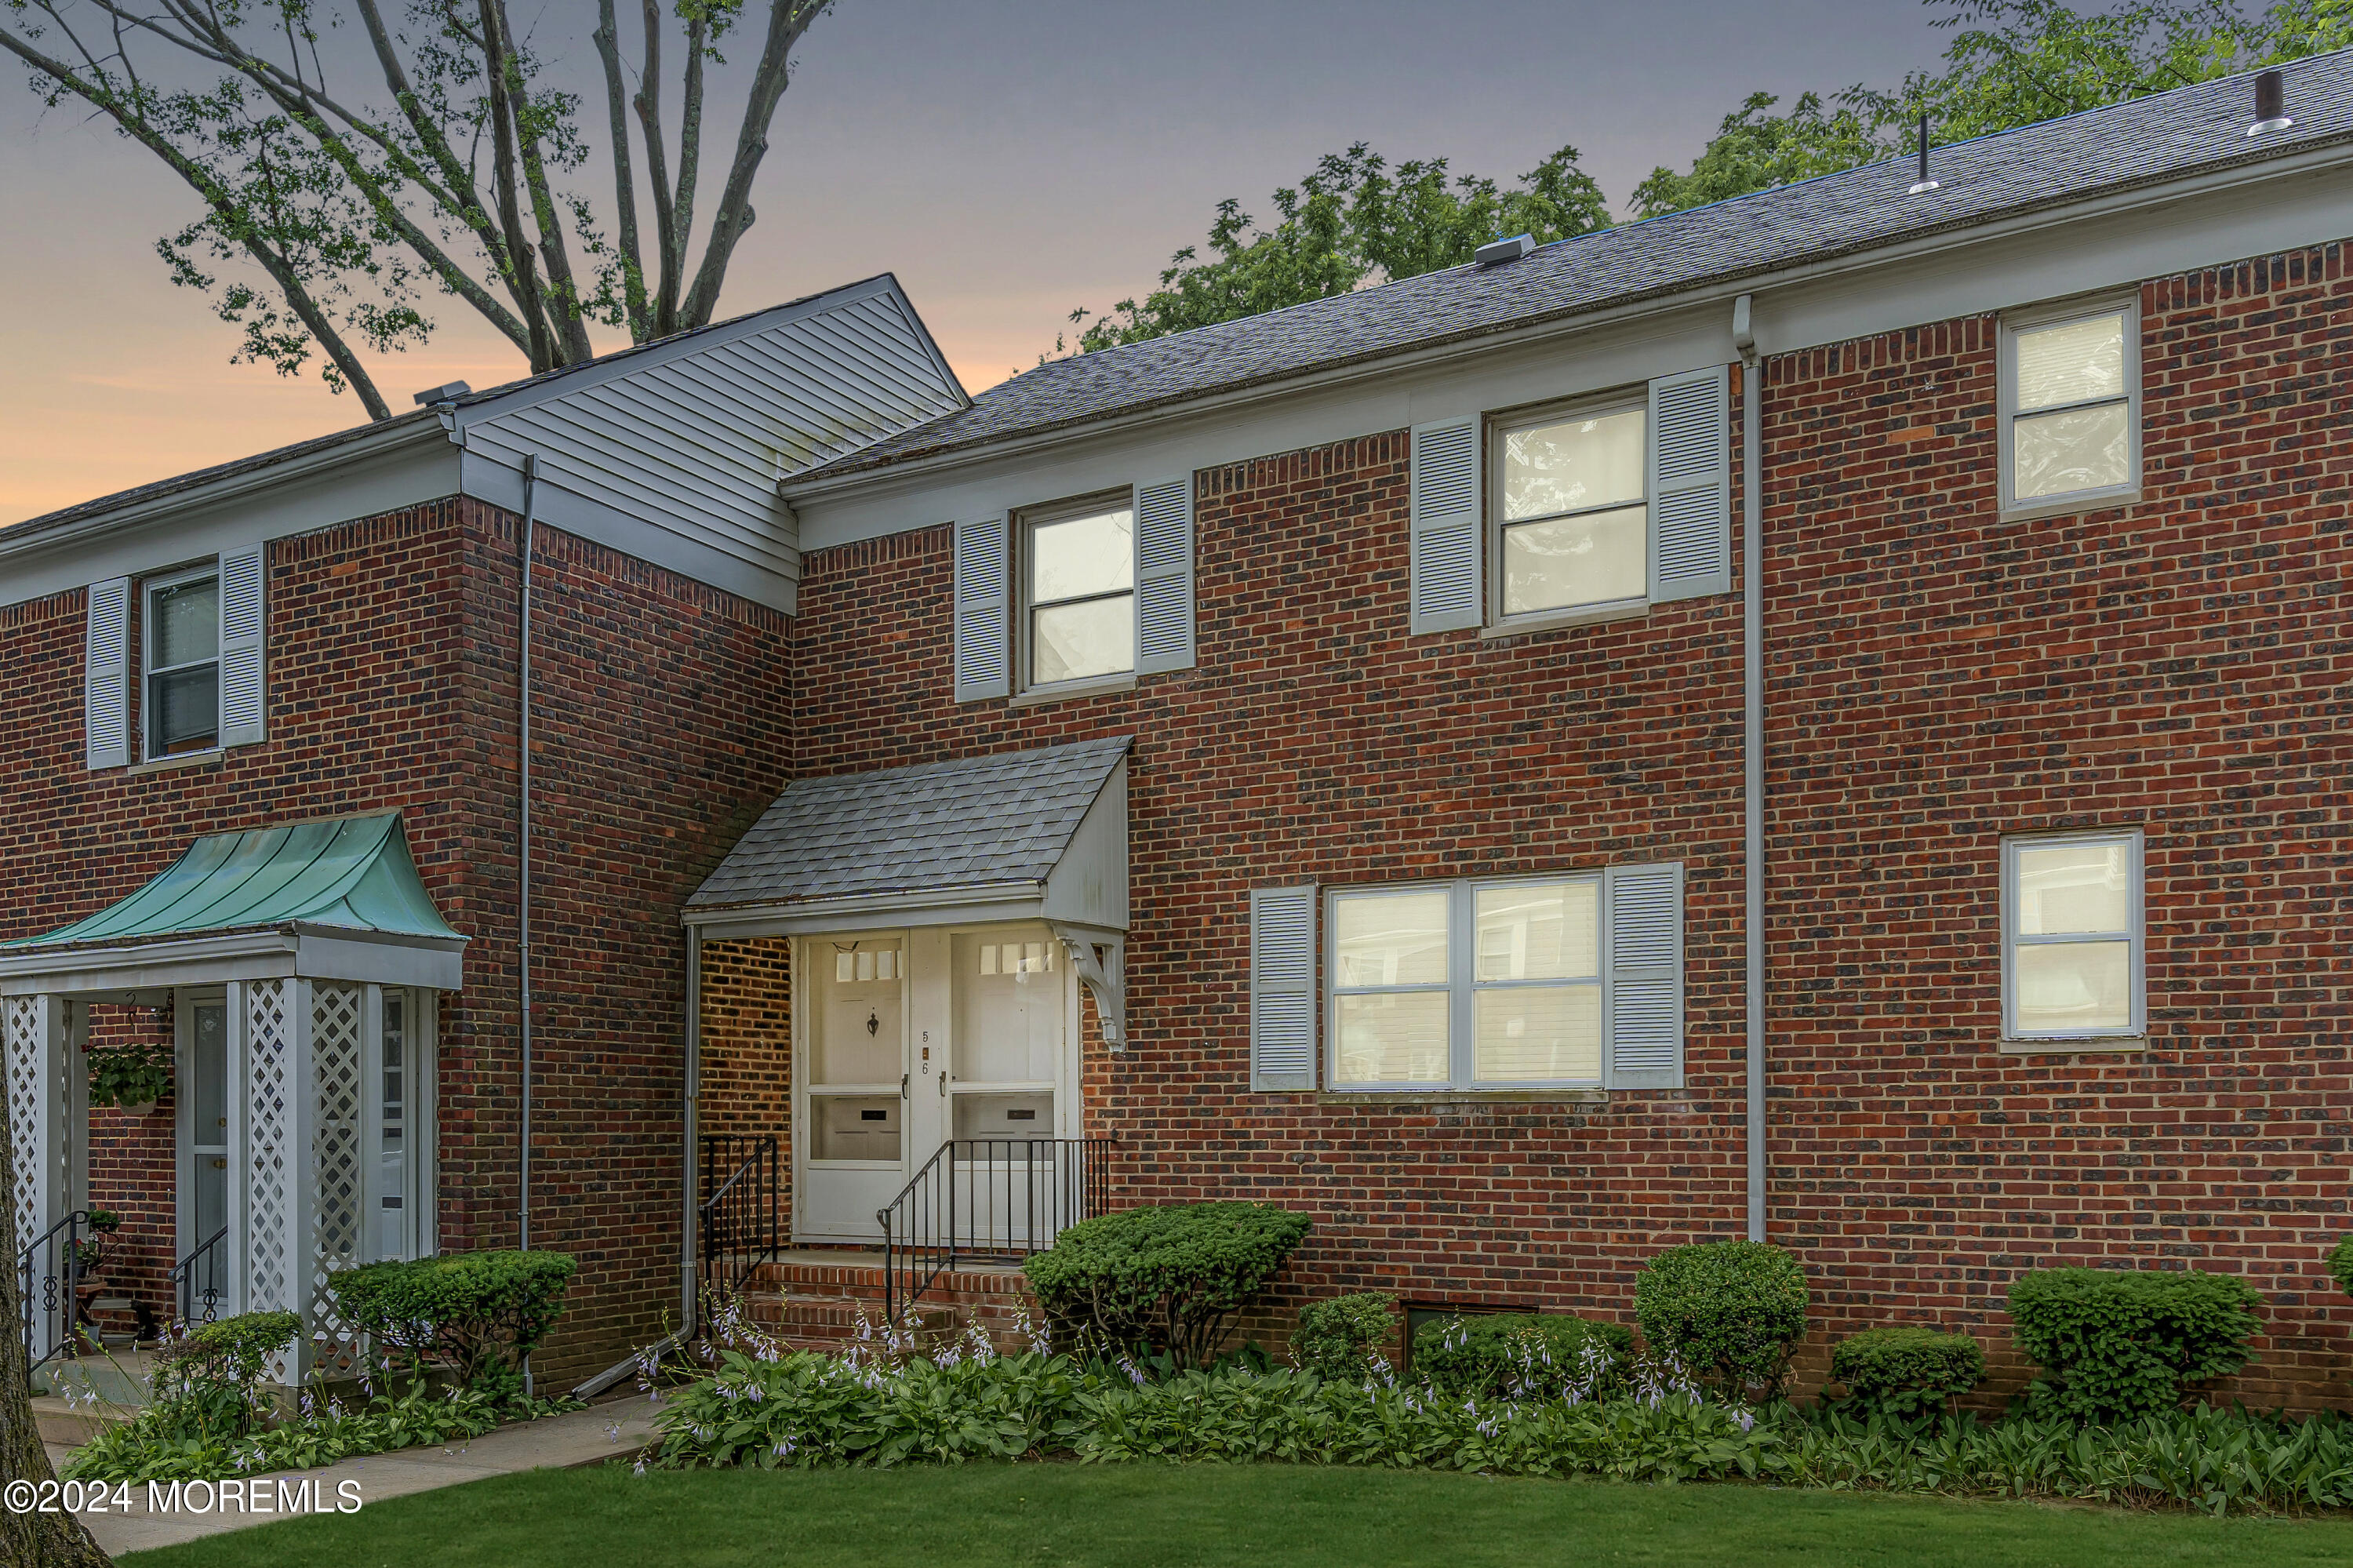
[1036, 834]
[335, 899]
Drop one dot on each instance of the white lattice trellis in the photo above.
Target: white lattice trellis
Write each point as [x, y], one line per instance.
[29, 1112]
[337, 1146]
[271, 1167]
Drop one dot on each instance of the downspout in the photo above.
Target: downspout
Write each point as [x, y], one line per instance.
[523, 816]
[1752, 750]
[690, 1308]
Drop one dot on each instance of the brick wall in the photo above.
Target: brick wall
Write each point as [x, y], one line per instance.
[660, 731]
[1937, 678]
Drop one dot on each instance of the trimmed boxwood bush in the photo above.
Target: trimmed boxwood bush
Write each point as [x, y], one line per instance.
[1906, 1372]
[481, 1312]
[2114, 1343]
[1163, 1279]
[1483, 1355]
[1344, 1337]
[1729, 1312]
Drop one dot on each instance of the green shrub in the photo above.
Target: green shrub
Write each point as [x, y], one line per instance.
[2340, 1265]
[1728, 1312]
[1168, 1278]
[208, 1382]
[1906, 1372]
[480, 1312]
[2115, 1343]
[1487, 1354]
[1345, 1337]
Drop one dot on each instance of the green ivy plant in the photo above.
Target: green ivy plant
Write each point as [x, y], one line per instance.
[134, 1073]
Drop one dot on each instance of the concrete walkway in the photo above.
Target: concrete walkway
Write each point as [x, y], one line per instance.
[616, 1430]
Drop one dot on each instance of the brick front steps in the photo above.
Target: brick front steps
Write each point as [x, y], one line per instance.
[817, 1299]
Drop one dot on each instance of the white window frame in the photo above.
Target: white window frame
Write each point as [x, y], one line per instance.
[1462, 984]
[2008, 413]
[1027, 521]
[2136, 936]
[151, 742]
[1594, 406]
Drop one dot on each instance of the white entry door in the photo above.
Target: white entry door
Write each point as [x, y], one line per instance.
[204, 1177]
[1010, 1094]
[852, 1149]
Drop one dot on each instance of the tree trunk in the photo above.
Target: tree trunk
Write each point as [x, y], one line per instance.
[26, 1540]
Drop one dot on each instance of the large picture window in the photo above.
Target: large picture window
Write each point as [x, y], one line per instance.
[181, 695]
[1572, 530]
[2071, 936]
[1078, 581]
[1490, 985]
[2071, 407]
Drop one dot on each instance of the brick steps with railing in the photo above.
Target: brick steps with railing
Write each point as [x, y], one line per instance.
[823, 1301]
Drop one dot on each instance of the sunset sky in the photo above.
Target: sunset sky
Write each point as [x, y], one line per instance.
[1008, 161]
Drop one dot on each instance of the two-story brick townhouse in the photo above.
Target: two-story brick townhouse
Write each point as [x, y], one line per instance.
[1821, 716]
[263, 810]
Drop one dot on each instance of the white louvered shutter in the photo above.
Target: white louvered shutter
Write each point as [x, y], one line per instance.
[1164, 576]
[1644, 942]
[106, 675]
[1691, 485]
[1442, 510]
[244, 689]
[1282, 988]
[984, 644]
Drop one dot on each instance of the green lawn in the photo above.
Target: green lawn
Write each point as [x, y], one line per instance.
[1142, 1516]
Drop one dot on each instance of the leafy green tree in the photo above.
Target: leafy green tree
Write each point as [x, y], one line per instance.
[331, 208]
[1352, 222]
[1755, 149]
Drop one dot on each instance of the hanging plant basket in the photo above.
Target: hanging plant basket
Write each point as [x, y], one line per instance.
[133, 1076]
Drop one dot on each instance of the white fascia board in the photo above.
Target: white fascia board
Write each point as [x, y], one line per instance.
[2223, 216]
[775, 584]
[310, 951]
[989, 903]
[363, 477]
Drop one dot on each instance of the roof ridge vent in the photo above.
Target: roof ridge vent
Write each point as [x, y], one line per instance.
[2270, 108]
[1495, 252]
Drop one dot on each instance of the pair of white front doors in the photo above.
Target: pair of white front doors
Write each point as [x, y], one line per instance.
[903, 1038]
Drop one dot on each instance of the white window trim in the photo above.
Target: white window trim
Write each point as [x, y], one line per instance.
[1461, 987]
[2006, 406]
[1025, 521]
[150, 745]
[2134, 1035]
[1624, 399]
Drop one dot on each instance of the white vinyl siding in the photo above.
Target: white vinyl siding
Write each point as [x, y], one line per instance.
[106, 675]
[2073, 959]
[1520, 983]
[2071, 407]
[1282, 989]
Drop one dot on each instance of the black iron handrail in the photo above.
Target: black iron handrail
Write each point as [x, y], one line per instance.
[987, 1199]
[207, 1258]
[740, 1220]
[58, 1306]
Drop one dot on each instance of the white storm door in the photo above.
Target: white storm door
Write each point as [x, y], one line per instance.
[1012, 1000]
[850, 1149]
[204, 1161]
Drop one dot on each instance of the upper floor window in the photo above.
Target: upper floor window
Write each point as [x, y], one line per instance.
[2072, 935]
[2071, 407]
[1078, 592]
[181, 692]
[1572, 528]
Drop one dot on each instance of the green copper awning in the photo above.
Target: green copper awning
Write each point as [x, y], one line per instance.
[350, 871]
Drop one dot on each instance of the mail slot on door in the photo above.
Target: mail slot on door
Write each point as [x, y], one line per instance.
[855, 1127]
[1005, 1115]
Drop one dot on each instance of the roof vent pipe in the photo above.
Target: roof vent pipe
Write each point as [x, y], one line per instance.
[1494, 253]
[2271, 109]
[1924, 182]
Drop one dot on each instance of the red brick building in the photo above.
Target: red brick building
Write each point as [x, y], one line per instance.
[1819, 717]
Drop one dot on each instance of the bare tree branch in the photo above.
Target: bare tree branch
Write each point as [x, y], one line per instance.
[671, 254]
[787, 20]
[625, 181]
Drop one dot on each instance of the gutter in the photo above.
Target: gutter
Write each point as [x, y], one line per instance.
[1718, 289]
[522, 854]
[1752, 745]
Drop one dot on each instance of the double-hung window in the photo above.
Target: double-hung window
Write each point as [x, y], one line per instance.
[2071, 407]
[181, 693]
[2071, 936]
[1465, 985]
[1077, 580]
[1573, 525]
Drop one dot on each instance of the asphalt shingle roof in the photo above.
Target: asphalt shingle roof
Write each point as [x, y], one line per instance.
[977, 821]
[2148, 141]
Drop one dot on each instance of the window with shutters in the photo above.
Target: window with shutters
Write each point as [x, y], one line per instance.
[180, 694]
[1466, 985]
[2071, 936]
[2071, 407]
[1077, 566]
[1572, 511]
